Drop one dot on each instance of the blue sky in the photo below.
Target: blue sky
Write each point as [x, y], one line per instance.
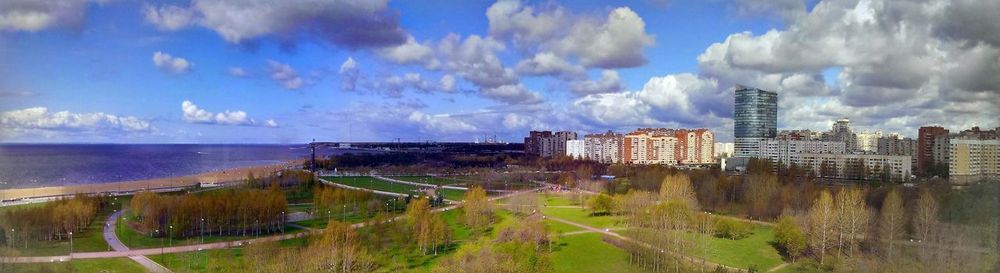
[191, 72]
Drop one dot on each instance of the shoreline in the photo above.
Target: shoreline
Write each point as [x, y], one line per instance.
[227, 175]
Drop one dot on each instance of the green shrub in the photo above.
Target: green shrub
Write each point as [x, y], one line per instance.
[732, 229]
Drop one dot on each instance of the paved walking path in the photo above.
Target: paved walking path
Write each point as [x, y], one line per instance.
[112, 238]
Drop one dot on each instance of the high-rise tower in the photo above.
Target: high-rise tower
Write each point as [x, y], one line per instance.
[756, 116]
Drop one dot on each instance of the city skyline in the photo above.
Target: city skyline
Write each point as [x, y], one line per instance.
[217, 72]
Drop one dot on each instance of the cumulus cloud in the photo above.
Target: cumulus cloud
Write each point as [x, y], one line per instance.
[31, 15]
[476, 61]
[788, 10]
[899, 64]
[285, 75]
[171, 64]
[41, 121]
[616, 41]
[671, 99]
[191, 113]
[609, 83]
[447, 83]
[169, 18]
[350, 24]
[349, 75]
[440, 123]
[410, 52]
[549, 64]
[512, 94]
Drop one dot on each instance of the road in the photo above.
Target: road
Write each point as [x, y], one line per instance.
[125, 252]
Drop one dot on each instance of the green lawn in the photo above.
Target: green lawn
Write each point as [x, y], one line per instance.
[583, 217]
[209, 260]
[753, 250]
[368, 182]
[109, 265]
[587, 252]
[558, 200]
[301, 207]
[426, 179]
[560, 227]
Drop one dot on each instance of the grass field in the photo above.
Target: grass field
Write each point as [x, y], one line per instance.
[426, 179]
[583, 216]
[560, 227]
[109, 265]
[753, 250]
[210, 260]
[368, 182]
[584, 253]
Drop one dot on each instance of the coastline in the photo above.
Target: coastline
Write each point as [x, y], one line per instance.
[227, 175]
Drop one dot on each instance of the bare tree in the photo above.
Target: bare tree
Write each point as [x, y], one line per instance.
[853, 219]
[822, 221]
[678, 187]
[891, 222]
[925, 215]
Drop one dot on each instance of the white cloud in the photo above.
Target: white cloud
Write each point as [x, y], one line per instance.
[176, 65]
[547, 63]
[40, 121]
[609, 83]
[476, 61]
[512, 94]
[447, 83]
[351, 24]
[616, 43]
[285, 75]
[676, 99]
[440, 123]
[349, 75]
[410, 52]
[237, 72]
[526, 25]
[191, 113]
[33, 15]
[169, 18]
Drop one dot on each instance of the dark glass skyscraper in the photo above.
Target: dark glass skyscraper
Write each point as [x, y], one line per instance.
[756, 115]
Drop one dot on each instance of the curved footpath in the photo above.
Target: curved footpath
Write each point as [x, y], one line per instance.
[125, 252]
[112, 238]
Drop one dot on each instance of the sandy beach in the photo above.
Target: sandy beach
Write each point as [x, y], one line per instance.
[235, 174]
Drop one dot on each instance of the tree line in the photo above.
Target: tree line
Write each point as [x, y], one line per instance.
[51, 221]
[227, 212]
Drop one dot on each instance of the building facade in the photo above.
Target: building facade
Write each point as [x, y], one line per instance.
[781, 151]
[931, 143]
[575, 148]
[546, 143]
[604, 148]
[974, 154]
[756, 119]
[868, 141]
[856, 166]
[668, 146]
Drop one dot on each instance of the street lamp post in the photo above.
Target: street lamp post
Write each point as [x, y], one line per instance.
[161, 247]
[202, 230]
[170, 234]
[282, 222]
[71, 244]
[344, 213]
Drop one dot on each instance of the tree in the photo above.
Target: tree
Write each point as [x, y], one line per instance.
[853, 218]
[925, 215]
[477, 208]
[678, 187]
[891, 221]
[789, 237]
[601, 203]
[732, 229]
[822, 219]
[760, 192]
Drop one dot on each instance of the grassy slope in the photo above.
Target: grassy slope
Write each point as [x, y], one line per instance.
[587, 252]
[376, 184]
[428, 179]
[583, 217]
[110, 265]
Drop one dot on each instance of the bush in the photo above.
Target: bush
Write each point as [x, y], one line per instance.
[732, 229]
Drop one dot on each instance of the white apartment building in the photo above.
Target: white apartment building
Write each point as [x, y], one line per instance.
[973, 158]
[850, 166]
[575, 149]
